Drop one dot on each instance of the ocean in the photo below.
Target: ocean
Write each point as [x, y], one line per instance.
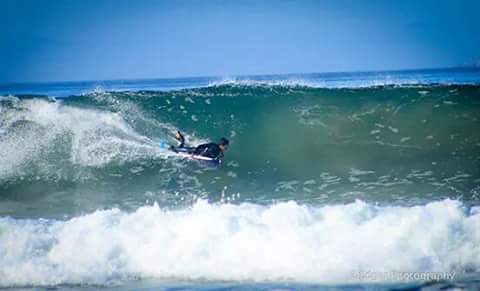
[344, 181]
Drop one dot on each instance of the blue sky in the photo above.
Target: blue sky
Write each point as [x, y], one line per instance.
[97, 40]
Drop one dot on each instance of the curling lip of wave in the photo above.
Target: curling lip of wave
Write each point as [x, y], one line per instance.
[337, 84]
[283, 241]
[455, 76]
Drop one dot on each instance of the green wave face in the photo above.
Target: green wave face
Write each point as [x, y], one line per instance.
[401, 144]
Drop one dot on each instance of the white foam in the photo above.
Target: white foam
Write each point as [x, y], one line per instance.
[285, 241]
[358, 172]
[332, 81]
[88, 137]
[288, 82]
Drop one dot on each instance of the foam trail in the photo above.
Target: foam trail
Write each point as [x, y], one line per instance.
[35, 129]
[284, 241]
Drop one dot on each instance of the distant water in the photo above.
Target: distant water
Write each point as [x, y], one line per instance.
[328, 176]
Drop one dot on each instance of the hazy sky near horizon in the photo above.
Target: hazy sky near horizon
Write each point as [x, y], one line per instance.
[117, 39]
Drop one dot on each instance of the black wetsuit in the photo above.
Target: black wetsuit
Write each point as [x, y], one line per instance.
[210, 150]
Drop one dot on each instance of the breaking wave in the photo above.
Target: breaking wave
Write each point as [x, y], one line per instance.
[285, 241]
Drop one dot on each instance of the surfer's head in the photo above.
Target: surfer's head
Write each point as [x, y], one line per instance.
[223, 143]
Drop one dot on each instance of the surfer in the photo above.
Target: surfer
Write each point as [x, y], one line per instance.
[211, 150]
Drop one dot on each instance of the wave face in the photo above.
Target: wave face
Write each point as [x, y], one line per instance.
[384, 144]
[240, 242]
[318, 183]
